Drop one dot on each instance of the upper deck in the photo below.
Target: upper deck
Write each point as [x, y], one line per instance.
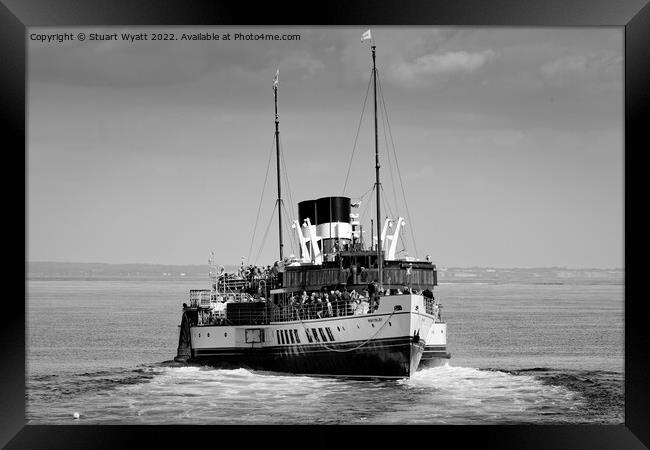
[355, 270]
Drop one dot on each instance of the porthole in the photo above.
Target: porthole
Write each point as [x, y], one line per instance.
[199, 334]
[373, 325]
[208, 334]
[390, 324]
[338, 328]
[358, 326]
[225, 335]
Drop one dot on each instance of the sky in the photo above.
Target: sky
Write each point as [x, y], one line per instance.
[509, 143]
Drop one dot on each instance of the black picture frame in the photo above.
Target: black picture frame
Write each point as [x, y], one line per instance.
[632, 15]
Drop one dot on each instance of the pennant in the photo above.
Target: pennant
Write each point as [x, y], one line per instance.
[275, 78]
[365, 36]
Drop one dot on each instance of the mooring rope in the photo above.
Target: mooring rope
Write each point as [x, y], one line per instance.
[350, 349]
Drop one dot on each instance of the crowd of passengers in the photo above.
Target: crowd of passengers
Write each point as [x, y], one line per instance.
[319, 304]
[254, 274]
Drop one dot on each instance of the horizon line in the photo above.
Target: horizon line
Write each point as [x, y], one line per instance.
[437, 265]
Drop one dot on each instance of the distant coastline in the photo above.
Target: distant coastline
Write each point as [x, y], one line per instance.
[543, 275]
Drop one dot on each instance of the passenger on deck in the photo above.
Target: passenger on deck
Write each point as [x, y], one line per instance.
[374, 303]
[372, 288]
[345, 303]
[354, 305]
[311, 305]
[337, 303]
[328, 303]
[362, 308]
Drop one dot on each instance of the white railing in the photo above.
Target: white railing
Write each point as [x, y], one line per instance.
[432, 306]
[199, 297]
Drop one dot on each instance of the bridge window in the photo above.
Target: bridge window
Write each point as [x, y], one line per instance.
[291, 336]
[308, 335]
[286, 336]
[313, 330]
[295, 332]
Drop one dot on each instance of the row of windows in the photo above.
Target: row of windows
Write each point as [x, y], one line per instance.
[287, 336]
[291, 336]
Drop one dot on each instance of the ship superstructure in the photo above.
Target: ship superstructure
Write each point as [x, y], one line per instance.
[340, 308]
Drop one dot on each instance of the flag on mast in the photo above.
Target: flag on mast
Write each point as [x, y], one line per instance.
[275, 78]
[366, 36]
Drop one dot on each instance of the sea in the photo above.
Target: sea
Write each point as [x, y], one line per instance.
[100, 351]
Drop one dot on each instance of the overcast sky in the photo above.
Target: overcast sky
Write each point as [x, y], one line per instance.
[509, 142]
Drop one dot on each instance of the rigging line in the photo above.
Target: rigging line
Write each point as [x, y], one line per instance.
[289, 230]
[396, 216]
[384, 118]
[287, 211]
[354, 148]
[363, 214]
[286, 177]
[399, 173]
[381, 94]
[259, 207]
[268, 227]
[366, 193]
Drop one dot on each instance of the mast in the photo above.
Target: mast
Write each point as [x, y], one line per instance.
[377, 183]
[277, 154]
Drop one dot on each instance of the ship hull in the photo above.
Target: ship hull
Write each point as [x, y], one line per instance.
[384, 358]
[388, 343]
[434, 356]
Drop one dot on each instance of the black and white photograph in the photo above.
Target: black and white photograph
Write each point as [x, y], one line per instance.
[332, 225]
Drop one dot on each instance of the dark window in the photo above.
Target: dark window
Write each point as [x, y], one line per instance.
[291, 336]
[279, 336]
[286, 336]
[313, 330]
[322, 335]
[329, 333]
[308, 335]
[295, 332]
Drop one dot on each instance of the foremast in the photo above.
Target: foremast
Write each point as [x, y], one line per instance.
[277, 154]
[377, 165]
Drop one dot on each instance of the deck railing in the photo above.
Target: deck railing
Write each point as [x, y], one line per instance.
[199, 297]
[297, 311]
[308, 311]
[432, 306]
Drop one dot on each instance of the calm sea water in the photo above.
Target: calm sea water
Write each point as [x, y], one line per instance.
[521, 353]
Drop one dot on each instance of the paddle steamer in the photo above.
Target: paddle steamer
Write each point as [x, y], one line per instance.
[341, 308]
